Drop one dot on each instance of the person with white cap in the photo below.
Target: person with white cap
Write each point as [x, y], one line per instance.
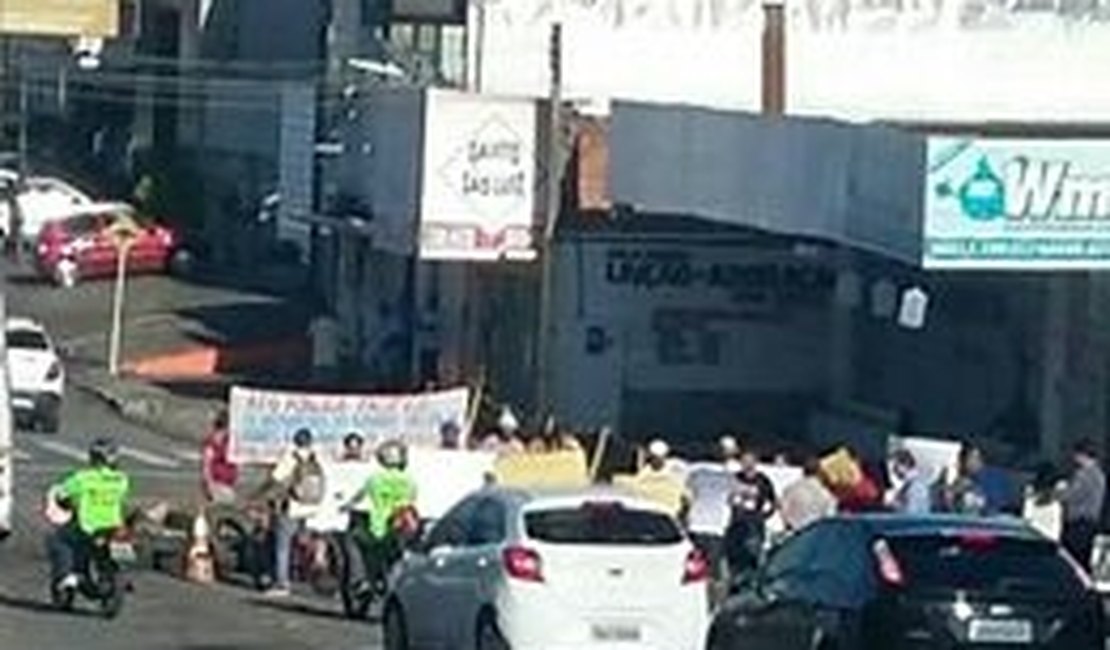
[660, 481]
[730, 453]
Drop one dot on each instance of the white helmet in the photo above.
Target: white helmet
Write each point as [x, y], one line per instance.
[658, 449]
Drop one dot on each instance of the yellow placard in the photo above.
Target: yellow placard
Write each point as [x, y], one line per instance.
[91, 18]
[662, 488]
[553, 469]
[840, 469]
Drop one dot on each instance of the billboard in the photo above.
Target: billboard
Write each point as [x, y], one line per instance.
[96, 18]
[478, 200]
[1017, 204]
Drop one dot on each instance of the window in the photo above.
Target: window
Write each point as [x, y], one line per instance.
[451, 531]
[487, 524]
[27, 340]
[985, 564]
[605, 523]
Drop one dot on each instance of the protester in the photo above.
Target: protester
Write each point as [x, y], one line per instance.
[710, 489]
[856, 490]
[450, 436]
[297, 486]
[219, 475]
[352, 461]
[658, 476]
[807, 499]
[963, 494]
[753, 503]
[1043, 509]
[1083, 500]
[913, 494]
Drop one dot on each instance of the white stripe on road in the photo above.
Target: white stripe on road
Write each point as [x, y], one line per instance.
[62, 449]
[148, 458]
[187, 455]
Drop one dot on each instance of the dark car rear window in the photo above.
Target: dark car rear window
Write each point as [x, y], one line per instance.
[985, 564]
[27, 340]
[601, 524]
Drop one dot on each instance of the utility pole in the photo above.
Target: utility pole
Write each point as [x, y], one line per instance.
[554, 165]
[774, 58]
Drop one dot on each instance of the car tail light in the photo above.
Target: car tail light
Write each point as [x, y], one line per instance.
[696, 567]
[523, 564]
[890, 570]
[978, 541]
[54, 372]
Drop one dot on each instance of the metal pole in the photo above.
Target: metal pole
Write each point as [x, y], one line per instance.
[116, 339]
[24, 114]
[547, 247]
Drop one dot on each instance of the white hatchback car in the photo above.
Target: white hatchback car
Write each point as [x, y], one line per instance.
[35, 373]
[527, 570]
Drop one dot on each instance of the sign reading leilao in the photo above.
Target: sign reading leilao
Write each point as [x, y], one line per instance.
[90, 18]
[1017, 204]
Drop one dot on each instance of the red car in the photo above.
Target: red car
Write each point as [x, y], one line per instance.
[81, 245]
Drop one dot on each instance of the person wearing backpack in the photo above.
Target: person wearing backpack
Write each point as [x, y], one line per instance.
[297, 486]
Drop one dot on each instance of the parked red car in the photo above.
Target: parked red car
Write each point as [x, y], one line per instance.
[81, 245]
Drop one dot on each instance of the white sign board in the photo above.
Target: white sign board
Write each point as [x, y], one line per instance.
[933, 457]
[442, 479]
[264, 421]
[478, 200]
[1017, 204]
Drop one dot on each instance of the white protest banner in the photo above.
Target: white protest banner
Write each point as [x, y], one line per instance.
[263, 421]
[933, 456]
[443, 477]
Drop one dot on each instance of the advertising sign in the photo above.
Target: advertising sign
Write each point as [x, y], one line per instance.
[479, 192]
[263, 421]
[1017, 204]
[97, 18]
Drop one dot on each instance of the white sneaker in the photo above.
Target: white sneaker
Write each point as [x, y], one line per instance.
[70, 583]
[278, 592]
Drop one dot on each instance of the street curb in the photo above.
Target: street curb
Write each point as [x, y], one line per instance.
[146, 413]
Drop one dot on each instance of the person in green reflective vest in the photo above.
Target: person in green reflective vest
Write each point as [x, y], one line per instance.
[97, 496]
[390, 490]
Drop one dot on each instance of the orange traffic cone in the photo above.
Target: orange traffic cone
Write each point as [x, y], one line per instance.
[200, 566]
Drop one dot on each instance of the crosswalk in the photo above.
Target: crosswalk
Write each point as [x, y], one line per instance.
[49, 451]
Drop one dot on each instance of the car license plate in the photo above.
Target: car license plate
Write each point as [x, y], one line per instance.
[23, 403]
[1000, 631]
[616, 633]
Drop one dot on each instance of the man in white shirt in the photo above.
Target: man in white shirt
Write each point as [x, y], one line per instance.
[297, 483]
[807, 499]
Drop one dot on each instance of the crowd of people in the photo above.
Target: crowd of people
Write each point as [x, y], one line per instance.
[731, 506]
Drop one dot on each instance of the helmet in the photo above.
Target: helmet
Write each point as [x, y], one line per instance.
[393, 454]
[302, 438]
[103, 451]
[658, 449]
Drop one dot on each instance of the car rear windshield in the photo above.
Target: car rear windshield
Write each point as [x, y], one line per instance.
[27, 340]
[985, 564]
[601, 524]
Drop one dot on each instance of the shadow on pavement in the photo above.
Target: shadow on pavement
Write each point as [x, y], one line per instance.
[301, 608]
[9, 601]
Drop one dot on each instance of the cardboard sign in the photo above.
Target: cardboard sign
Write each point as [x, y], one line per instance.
[553, 469]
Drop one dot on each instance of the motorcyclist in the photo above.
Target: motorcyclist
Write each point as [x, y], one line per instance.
[97, 496]
[390, 491]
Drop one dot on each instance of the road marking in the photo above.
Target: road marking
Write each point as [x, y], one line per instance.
[148, 458]
[187, 455]
[62, 449]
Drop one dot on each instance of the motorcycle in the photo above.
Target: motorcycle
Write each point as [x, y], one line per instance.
[100, 581]
[358, 590]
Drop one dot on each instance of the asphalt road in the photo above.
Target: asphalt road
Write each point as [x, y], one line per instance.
[163, 613]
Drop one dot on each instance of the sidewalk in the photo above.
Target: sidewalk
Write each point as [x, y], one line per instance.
[180, 418]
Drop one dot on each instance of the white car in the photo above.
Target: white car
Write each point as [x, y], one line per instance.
[35, 374]
[42, 199]
[507, 568]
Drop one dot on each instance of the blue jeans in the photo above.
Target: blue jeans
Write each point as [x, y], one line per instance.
[286, 530]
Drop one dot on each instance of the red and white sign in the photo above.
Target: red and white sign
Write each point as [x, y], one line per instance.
[478, 200]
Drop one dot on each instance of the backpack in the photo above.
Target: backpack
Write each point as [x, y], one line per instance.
[307, 485]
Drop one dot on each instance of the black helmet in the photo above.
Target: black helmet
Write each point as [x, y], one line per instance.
[302, 438]
[103, 451]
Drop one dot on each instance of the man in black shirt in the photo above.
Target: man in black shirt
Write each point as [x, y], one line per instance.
[753, 503]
